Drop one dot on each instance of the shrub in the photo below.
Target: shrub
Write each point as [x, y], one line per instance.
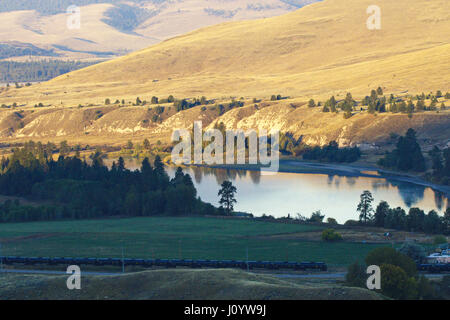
[426, 290]
[351, 223]
[440, 239]
[396, 284]
[387, 255]
[316, 217]
[332, 221]
[356, 275]
[413, 250]
[331, 235]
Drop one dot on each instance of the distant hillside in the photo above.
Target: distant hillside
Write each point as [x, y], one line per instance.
[115, 27]
[320, 50]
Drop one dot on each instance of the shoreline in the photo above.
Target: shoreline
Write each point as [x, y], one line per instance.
[307, 167]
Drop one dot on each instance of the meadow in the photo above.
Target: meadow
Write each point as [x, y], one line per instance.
[175, 238]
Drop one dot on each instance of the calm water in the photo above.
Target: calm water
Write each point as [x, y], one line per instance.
[292, 193]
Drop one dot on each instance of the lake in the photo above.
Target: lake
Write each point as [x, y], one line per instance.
[336, 196]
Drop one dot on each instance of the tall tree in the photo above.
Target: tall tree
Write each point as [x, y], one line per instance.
[227, 198]
[365, 206]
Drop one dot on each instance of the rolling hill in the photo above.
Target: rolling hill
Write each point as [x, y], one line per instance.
[320, 50]
[114, 27]
[176, 285]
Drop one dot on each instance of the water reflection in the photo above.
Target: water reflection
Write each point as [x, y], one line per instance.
[336, 196]
[439, 200]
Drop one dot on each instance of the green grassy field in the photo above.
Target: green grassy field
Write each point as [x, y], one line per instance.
[164, 237]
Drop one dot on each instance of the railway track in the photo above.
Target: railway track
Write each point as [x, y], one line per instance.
[167, 263]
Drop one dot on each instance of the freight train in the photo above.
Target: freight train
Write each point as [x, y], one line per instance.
[166, 263]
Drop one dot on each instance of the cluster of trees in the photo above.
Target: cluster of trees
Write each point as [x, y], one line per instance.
[441, 165]
[81, 190]
[276, 97]
[224, 107]
[126, 18]
[396, 218]
[332, 153]
[8, 50]
[13, 211]
[329, 153]
[399, 277]
[407, 156]
[289, 145]
[139, 102]
[43, 70]
[378, 102]
[331, 105]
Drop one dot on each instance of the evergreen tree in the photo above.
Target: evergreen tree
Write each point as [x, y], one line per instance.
[365, 206]
[381, 213]
[379, 91]
[227, 198]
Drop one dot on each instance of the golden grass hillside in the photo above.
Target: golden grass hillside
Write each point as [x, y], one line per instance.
[167, 19]
[322, 49]
[176, 285]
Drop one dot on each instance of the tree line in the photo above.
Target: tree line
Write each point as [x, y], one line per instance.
[329, 153]
[11, 71]
[377, 101]
[396, 218]
[78, 189]
[407, 155]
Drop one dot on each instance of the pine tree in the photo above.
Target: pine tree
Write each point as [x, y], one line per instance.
[365, 206]
[227, 198]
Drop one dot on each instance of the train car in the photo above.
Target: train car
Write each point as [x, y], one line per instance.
[270, 265]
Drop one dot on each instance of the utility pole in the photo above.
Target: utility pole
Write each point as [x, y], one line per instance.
[248, 269]
[123, 262]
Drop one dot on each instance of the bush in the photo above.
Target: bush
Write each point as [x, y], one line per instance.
[426, 290]
[413, 250]
[316, 217]
[356, 275]
[396, 284]
[332, 221]
[440, 239]
[331, 235]
[387, 255]
[351, 223]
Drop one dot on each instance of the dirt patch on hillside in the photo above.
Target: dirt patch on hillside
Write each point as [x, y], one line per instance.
[367, 235]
